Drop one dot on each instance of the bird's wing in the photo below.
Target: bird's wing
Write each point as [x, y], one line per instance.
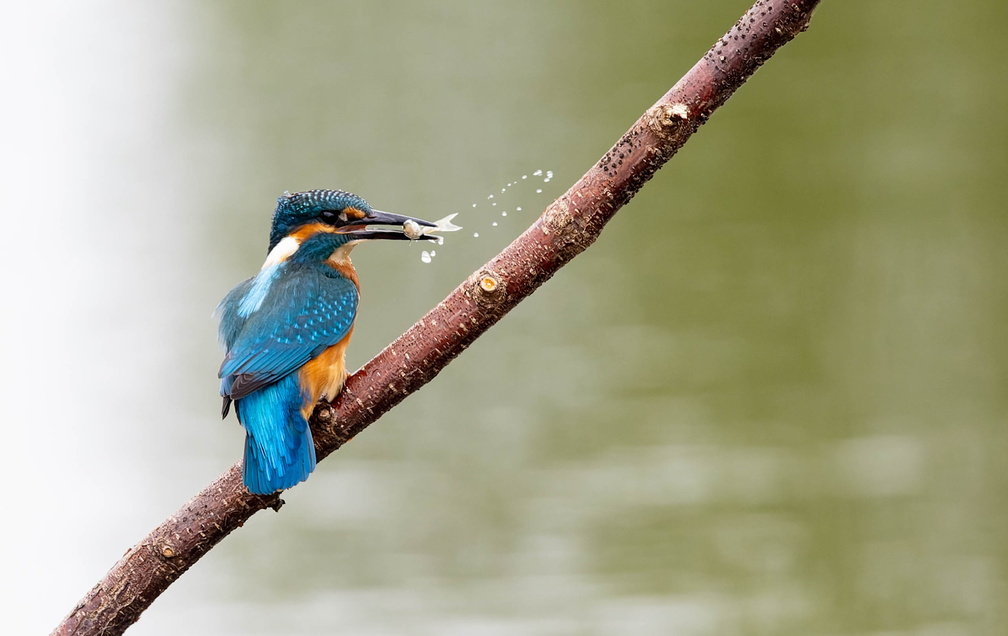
[304, 312]
[230, 320]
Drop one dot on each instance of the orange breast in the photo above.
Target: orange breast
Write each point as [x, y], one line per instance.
[323, 376]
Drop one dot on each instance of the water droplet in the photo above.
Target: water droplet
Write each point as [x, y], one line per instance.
[518, 208]
[502, 190]
[537, 173]
[494, 223]
[425, 256]
[433, 253]
[524, 176]
[490, 197]
[546, 180]
[504, 213]
[549, 174]
[494, 203]
[474, 205]
[475, 234]
[539, 191]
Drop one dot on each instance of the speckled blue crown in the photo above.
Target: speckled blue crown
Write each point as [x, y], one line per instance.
[294, 210]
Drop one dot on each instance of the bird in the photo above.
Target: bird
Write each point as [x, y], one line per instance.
[285, 330]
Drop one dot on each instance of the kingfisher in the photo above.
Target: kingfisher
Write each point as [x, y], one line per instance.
[285, 330]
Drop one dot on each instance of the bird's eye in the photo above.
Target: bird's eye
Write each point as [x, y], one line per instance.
[328, 216]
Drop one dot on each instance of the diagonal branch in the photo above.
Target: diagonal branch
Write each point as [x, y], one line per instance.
[567, 227]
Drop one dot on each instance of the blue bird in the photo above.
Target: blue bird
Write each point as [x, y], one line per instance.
[286, 329]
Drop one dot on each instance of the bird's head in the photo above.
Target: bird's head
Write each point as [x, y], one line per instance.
[303, 214]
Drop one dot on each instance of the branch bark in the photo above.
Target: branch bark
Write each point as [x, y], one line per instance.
[567, 227]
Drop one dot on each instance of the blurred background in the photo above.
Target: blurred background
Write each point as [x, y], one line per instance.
[771, 399]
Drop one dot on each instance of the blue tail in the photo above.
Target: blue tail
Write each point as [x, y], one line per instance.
[279, 451]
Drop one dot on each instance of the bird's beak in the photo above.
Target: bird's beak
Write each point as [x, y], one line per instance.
[407, 227]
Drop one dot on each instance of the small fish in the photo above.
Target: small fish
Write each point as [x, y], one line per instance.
[414, 230]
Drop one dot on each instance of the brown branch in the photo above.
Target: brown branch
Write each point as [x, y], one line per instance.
[567, 227]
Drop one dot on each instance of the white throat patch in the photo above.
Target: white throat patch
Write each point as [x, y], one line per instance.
[341, 255]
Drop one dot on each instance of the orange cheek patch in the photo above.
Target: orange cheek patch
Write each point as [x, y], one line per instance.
[306, 231]
[354, 213]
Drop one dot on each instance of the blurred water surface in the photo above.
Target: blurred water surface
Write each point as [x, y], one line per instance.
[770, 400]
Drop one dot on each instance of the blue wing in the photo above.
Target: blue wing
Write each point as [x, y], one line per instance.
[274, 323]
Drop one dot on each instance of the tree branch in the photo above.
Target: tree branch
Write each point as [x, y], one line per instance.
[567, 227]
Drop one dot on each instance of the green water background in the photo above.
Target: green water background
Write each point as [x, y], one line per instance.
[769, 400]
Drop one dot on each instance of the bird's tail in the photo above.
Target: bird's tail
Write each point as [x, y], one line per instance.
[279, 451]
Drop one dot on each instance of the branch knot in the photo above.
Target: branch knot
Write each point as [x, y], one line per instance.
[666, 120]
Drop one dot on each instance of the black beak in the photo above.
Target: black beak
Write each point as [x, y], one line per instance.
[357, 228]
